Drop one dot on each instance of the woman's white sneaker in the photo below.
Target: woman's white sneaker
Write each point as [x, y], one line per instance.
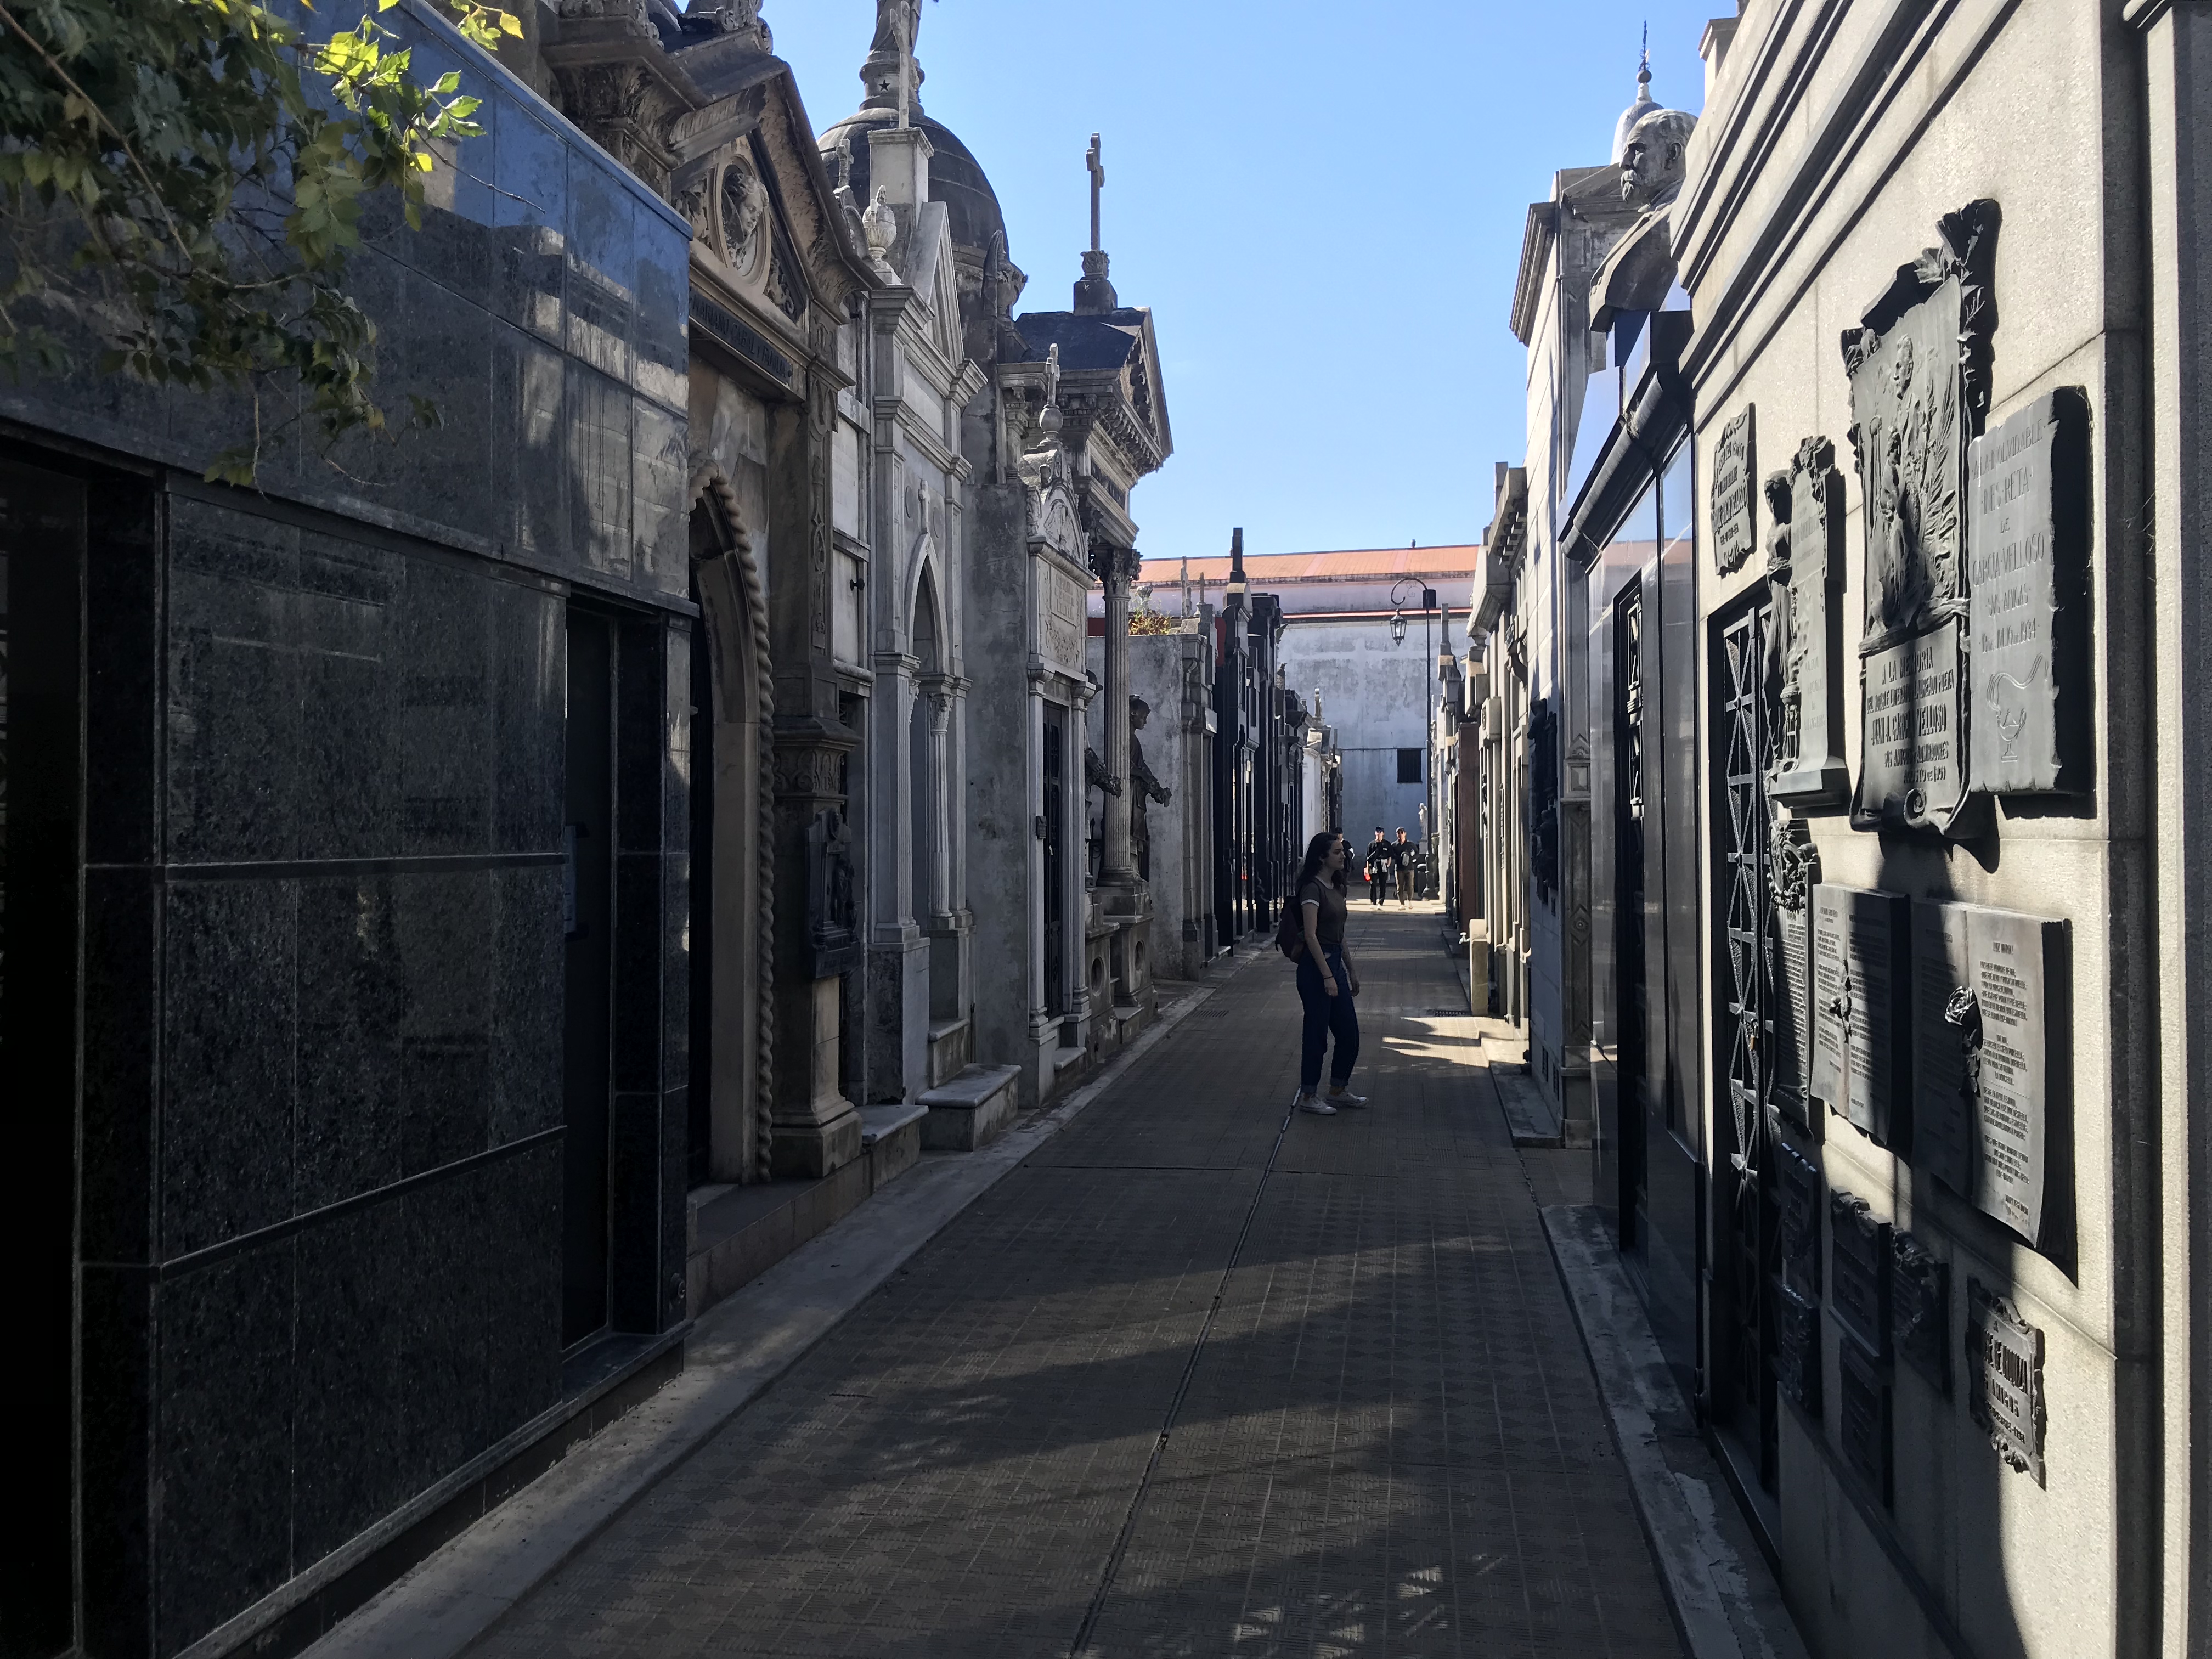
[1315, 1104]
[1344, 1098]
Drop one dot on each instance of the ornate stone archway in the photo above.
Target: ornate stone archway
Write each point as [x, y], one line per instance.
[734, 609]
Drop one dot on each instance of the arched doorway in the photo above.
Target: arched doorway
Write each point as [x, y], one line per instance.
[732, 848]
[923, 760]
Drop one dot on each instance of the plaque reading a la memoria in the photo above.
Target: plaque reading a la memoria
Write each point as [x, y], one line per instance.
[1920, 1308]
[1861, 1065]
[1863, 1413]
[2026, 540]
[1860, 1288]
[1797, 1205]
[1798, 1349]
[1735, 469]
[1983, 1017]
[1805, 571]
[1919, 374]
[2004, 1364]
[1795, 865]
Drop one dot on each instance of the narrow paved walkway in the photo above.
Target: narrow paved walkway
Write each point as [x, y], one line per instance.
[1198, 1379]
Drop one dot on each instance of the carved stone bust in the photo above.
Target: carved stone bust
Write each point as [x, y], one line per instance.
[1652, 165]
[1637, 275]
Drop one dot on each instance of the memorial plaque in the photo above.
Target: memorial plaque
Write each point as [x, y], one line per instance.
[1735, 468]
[2004, 1366]
[1859, 1289]
[1920, 1308]
[2026, 535]
[1912, 768]
[1863, 1414]
[1982, 1030]
[1919, 373]
[1805, 572]
[1798, 1349]
[1861, 1063]
[1943, 1113]
[1794, 866]
[1797, 1203]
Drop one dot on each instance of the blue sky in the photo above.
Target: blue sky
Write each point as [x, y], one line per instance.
[1322, 204]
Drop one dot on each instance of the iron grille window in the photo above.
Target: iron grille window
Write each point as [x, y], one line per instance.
[1409, 766]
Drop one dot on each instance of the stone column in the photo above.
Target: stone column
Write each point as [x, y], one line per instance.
[940, 897]
[1115, 566]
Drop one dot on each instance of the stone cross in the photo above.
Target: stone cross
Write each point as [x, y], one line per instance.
[1097, 169]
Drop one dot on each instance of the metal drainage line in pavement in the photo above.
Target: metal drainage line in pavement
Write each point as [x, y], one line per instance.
[1097, 1607]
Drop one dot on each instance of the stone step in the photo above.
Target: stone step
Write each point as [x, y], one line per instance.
[971, 1110]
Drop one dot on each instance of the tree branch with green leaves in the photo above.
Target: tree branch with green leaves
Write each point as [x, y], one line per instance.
[185, 179]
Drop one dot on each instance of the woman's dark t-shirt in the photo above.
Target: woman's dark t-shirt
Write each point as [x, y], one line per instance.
[1328, 921]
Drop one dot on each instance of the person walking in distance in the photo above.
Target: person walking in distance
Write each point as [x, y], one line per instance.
[1402, 859]
[1328, 981]
[1379, 866]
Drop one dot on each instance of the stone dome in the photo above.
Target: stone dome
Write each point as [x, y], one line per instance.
[1643, 106]
[956, 178]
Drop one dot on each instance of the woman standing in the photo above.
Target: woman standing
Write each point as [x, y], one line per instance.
[1327, 980]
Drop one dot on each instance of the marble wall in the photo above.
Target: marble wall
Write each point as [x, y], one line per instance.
[322, 931]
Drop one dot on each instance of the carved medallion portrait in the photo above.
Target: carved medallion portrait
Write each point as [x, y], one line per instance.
[744, 218]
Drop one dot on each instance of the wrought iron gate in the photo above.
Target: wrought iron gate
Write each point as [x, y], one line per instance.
[1750, 968]
[1055, 860]
[1631, 986]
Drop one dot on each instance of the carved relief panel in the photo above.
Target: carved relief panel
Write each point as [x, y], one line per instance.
[1919, 374]
[1805, 572]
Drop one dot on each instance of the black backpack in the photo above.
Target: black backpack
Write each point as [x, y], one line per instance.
[1291, 930]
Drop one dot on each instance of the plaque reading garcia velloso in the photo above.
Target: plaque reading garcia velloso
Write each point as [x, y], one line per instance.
[2026, 537]
[1919, 373]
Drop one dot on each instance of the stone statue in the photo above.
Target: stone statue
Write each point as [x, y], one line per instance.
[1640, 269]
[1094, 774]
[1149, 788]
[898, 23]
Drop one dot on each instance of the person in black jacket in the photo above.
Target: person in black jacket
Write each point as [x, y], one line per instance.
[1403, 858]
[1380, 864]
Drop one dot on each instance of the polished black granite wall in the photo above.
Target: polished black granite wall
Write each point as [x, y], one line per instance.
[543, 306]
[321, 929]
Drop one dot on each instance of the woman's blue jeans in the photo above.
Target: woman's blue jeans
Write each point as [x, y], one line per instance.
[1326, 1014]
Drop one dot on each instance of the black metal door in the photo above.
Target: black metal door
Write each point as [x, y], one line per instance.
[1055, 860]
[1748, 966]
[1631, 994]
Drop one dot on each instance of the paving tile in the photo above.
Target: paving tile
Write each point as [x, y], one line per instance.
[1389, 1442]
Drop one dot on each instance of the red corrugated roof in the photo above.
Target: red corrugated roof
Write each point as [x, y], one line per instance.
[1352, 564]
